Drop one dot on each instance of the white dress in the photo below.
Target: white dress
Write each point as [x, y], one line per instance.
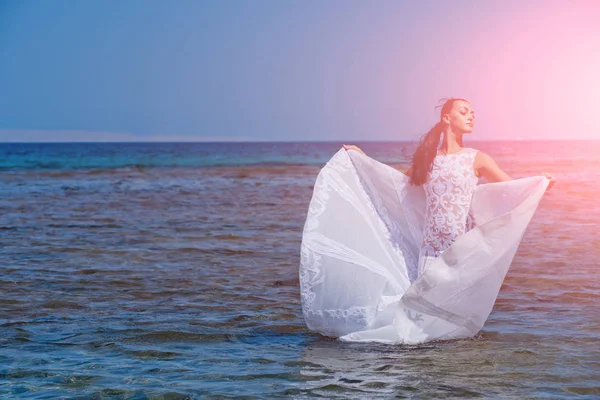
[368, 232]
[448, 193]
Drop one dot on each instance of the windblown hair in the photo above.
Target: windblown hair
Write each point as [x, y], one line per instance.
[428, 146]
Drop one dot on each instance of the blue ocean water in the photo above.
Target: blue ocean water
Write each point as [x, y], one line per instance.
[73, 156]
[170, 270]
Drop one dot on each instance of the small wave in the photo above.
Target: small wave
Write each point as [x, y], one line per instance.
[10, 301]
[138, 394]
[178, 336]
[84, 226]
[27, 374]
[61, 304]
[583, 391]
[155, 354]
[282, 329]
[289, 282]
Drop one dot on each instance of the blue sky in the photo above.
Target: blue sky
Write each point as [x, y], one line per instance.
[295, 70]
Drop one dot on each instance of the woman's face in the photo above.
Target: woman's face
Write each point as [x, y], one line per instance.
[461, 117]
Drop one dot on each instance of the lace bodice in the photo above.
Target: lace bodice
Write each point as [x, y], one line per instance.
[448, 190]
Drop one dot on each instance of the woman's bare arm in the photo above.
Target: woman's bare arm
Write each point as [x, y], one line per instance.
[485, 166]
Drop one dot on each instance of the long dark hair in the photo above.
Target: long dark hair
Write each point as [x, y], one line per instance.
[428, 145]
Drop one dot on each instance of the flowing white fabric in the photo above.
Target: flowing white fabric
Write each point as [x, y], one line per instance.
[360, 251]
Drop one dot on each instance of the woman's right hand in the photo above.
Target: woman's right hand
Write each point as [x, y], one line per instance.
[353, 147]
[550, 178]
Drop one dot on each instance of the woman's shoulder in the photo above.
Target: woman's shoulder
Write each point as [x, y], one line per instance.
[476, 153]
[483, 159]
[479, 153]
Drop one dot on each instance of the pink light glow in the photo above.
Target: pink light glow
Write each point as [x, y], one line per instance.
[541, 74]
[531, 71]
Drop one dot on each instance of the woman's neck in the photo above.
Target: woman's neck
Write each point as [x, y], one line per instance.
[452, 142]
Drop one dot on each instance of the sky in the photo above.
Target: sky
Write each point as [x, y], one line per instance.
[272, 70]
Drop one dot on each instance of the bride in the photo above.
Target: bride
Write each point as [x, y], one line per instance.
[413, 257]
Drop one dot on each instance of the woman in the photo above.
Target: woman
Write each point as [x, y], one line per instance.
[413, 257]
[449, 176]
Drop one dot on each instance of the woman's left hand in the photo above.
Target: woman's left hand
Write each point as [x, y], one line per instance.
[353, 147]
[552, 180]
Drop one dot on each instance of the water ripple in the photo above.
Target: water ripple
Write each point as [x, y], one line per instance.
[182, 282]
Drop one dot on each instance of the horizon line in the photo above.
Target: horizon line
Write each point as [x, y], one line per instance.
[286, 141]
